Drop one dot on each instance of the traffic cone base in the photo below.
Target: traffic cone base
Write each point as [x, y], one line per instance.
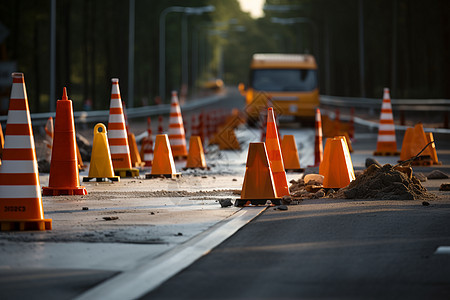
[259, 185]
[336, 167]
[196, 156]
[163, 163]
[100, 168]
[290, 154]
[64, 176]
[20, 195]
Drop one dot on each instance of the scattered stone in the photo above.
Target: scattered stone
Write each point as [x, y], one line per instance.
[425, 203]
[282, 207]
[179, 234]
[372, 161]
[152, 213]
[234, 179]
[445, 187]
[286, 200]
[204, 176]
[225, 202]
[315, 179]
[110, 218]
[85, 208]
[319, 194]
[436, 174]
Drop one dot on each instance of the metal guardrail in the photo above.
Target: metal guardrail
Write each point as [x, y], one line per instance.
[134, 112]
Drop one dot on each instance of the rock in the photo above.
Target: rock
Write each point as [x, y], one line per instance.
[110, 218]
[282, 207]
[313, 188]
[225, 202]
[286, 200]
[317, 178]
[85, 208]
[425, 203]
[436, 174]
[372, 161]
[445, 187]
[319, 194]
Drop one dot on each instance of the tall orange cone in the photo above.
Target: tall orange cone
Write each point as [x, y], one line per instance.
[163, 163]
[117, 135]
[318, 143]
[64, 179]
[147, 146]
[386, 142]
[289, 152]
[101, 168]
[274, 155]
[48, 139]
[177, 136]
[196, 156]
[20, 194]
[259, 185]
[336, 167]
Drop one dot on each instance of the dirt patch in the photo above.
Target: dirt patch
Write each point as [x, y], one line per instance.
[385, 183]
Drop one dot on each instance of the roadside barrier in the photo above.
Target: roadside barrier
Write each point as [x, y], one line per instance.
[386, 142]
[117, 135]
[20, 193]
[274, 155]
[336, 167]
[64, 177]
[289, 152]
[259, 185]
[163, 163]
[177, 135]
[101, 168]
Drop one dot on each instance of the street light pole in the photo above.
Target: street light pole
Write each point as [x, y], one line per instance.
[131, 54]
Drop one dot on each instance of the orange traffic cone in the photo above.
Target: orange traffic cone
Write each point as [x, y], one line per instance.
[290, 154]
[318, 144]
[386, 143]
[147, 146]
[336, 167]
[2, 143]
[196, 156]
[80, 163]
[176, 129]
[117, 135]
[163, 163]
[64, 178]
[135, 156]
[275, 157]
[259, 185]
[20, 195]
[406, 152]
[432, 148]
[100, 168]
[48, 139]
[415, 142]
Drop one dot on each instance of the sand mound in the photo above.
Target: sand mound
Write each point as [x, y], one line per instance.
[385, 183]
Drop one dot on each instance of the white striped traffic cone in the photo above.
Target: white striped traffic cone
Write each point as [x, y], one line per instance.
[20, 191]
[117, 135]
[386, 142]
[147, 146]
[48, 139]
[177, 136]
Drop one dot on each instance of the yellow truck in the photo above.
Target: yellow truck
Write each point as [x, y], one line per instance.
[288, 82]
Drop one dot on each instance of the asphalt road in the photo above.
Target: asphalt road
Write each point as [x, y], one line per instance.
[327, 249]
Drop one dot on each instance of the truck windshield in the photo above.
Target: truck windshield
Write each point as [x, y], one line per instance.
[278, 80]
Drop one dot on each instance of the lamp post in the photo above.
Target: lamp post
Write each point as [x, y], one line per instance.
[162, 39]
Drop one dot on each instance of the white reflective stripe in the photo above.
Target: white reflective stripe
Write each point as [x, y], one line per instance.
[176, 131]
[386, 105]
[116, 118]
[176, 120]
[386, 138]
[115, 88]
[18, 117]
[386, 127]
[115, 103]
[20, 191]
[118, 149]
[19, 166]
[384, 116]
[18, 91]
[148, 156]
[177, 142]
[117, 134]
[19, 142]
[175, 110]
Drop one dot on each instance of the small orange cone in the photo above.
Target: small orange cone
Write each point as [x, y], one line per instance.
[48, 139]
[196, 156]
[259, 185]
[147, 146]
[432, 148]
[290, 154]
[117, 135]
[100, 168]
[417, 142]
[318, 144]
[64, 178]
[386, 142]
[163, 163]
[20, 194]
[274, 155]
[177, 136]
[336, 167]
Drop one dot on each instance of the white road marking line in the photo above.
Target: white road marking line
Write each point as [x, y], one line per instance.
[140, 281]
[443, 250]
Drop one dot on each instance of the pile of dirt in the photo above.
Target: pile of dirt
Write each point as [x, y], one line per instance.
[300, 190]
[384, 183]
